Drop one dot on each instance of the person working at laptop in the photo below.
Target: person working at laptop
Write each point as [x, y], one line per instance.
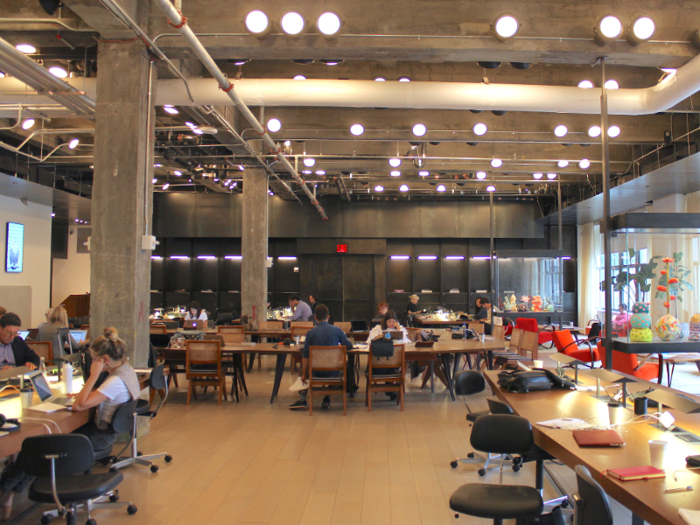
[13, 350]
[108, 354]
[390, 321]
[196, 313]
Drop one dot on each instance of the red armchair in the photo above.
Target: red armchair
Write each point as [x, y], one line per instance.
[566, 344]
[530, 325]
[629, 364]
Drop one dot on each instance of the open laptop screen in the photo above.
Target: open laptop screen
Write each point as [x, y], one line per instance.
[79, 335]
[41, 385]
[23, 334]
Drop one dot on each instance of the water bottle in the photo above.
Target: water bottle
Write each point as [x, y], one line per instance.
[464, 330]
[67, 373]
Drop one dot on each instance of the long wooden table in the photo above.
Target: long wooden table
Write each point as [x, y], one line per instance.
[644, 498]
[440, 350]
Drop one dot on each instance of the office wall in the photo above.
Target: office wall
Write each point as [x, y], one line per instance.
[36, 273]
[71, 276]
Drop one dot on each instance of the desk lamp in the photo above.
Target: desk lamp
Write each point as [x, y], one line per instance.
[563, 359]
[18, 371]
[601, 374]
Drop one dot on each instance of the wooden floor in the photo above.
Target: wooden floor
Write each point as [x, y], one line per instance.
[253, 462]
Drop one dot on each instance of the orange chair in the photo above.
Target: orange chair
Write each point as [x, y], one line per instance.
[566, 344]
[530, 325]
[629, 364]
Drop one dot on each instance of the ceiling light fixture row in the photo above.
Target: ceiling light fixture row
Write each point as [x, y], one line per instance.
[292, 23]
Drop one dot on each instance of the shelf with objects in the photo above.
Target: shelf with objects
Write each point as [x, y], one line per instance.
[654, 259]
[530, 284]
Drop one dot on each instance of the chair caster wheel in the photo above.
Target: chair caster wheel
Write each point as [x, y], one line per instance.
[113, 469]
[456, 516]
[482, 472]
[45, 520]
[91, 522]
[564, 504]
[139, 453]
[516, 468]
[114, 497]
[71, 519]
[453, 464]
[154, 468]
[131, 509]
[470, 455]
[168, 459]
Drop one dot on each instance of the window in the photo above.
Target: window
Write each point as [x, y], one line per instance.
[620, 261]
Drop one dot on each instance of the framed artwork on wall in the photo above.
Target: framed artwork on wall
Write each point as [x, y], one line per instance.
[14, 248]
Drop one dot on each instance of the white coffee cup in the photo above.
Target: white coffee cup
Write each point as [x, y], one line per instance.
[482, 337]
[538, 363]
[657, 448]
[616, 413]
[26, 395]
[296, 339]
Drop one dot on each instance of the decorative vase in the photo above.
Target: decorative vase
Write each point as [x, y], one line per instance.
[641, 323]
[694, 328]
[668, 328]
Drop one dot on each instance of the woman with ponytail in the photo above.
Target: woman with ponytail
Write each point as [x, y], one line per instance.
[108, 354]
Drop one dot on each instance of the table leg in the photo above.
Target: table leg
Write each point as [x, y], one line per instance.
[251, 362]
[432, 377]
[446, 366]
[279, 371]
[489, 359]
[456, 367]
[636, 520]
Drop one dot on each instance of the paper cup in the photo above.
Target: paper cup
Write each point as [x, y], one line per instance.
[616, 413]
[296, 339]
[657, 448]
[538, 363]
[482, 337]
[26, 395]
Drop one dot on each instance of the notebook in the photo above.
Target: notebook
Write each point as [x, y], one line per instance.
[598, 438]
[635, 473]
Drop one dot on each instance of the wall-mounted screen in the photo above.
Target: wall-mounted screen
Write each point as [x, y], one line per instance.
[14, 247]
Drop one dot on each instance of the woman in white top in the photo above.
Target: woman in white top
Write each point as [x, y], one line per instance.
[195, 312]
[389, 322]
[108, 354]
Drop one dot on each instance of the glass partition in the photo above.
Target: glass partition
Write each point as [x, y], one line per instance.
[529, 284]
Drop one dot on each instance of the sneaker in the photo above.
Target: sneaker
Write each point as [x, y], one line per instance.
[326, 403]
[392, 396]
[298, 405]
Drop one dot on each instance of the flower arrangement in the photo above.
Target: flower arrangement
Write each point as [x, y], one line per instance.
[668, 328]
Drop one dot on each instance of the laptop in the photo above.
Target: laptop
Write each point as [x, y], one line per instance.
[193, 324]
[358, 325]
[598, 438]
[23, 334]
[49, 403]
[396, 335]
[78, 335]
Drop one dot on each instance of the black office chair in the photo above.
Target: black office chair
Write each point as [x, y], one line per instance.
[224, 319]
[499, 434]
[592, 505]
[142, 408]
[59, 462]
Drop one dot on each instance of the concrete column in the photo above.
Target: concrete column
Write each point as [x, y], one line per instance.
[122, 197]
[254, 245]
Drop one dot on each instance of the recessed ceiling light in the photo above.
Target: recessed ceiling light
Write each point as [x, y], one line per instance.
[331, 61]
[169, 109]
[28, 123]
[611, 84]
[154, 180]
[197, 131]
[395, 162]
[287, 143]
[177, 173]
[561, 130]
[551, 176]
[609, 28]
[357, 129]
[58, 72]
[584, 164]
[157, 165]
[241, 167]
[594, 131]
[328, 23]
[642, 30]
[480, 128]
[320, 172]
[585, 84]
[379, 188]
[299, 77]
[256, 22]
[490, 188]
[27, 49]
[166, 186]
[563, 163]
[496, 163]
[419, 130]
[293, 23]
[274, 125]
[309, 162]
[240, 61]
[440, 188]
[614, 131]
[73, 143]
[395, 173]
[404, 79]
[423, 173]
[481, 175]
[505, 27]
[537, 176]
[403, 187]
[2, 75]
[307, 172]
[379, 79]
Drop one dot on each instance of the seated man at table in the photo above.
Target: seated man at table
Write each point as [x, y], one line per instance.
[13, 350]
[323, 334]
[484, 315]
[302, 311]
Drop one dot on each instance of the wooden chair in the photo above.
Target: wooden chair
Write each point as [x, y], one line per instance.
[529, 343]
[225, 330]
[270, 325]
[42, 349]
[158, 329]
[299, 324]
[328, 359]
[296, 358]
[513, 353]
[345, 326]
[498, 332]
[478, 328]
[233, 365]
[391, 382]
[203, 367]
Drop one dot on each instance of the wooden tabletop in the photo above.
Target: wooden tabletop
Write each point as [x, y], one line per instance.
[644, 498]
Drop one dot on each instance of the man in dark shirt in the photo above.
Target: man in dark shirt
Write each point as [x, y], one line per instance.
[484, 315]
[13, 350]
[323, 334]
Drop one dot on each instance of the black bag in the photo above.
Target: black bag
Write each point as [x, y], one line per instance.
[553, 518]
[383, 348]
[524, 381]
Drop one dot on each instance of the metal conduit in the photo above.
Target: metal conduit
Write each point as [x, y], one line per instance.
[177, 21]
[22, 67]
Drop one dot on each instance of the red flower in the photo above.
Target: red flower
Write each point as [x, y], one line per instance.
[666, 305]
[672, 297]
[663, 272]
[668, 259]
[673, 280]
[661, 288]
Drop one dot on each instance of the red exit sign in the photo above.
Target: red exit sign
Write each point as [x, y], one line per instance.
[342, 248]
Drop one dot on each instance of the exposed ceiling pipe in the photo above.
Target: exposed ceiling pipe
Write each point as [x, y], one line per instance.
[178, 22]
[19, 65]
